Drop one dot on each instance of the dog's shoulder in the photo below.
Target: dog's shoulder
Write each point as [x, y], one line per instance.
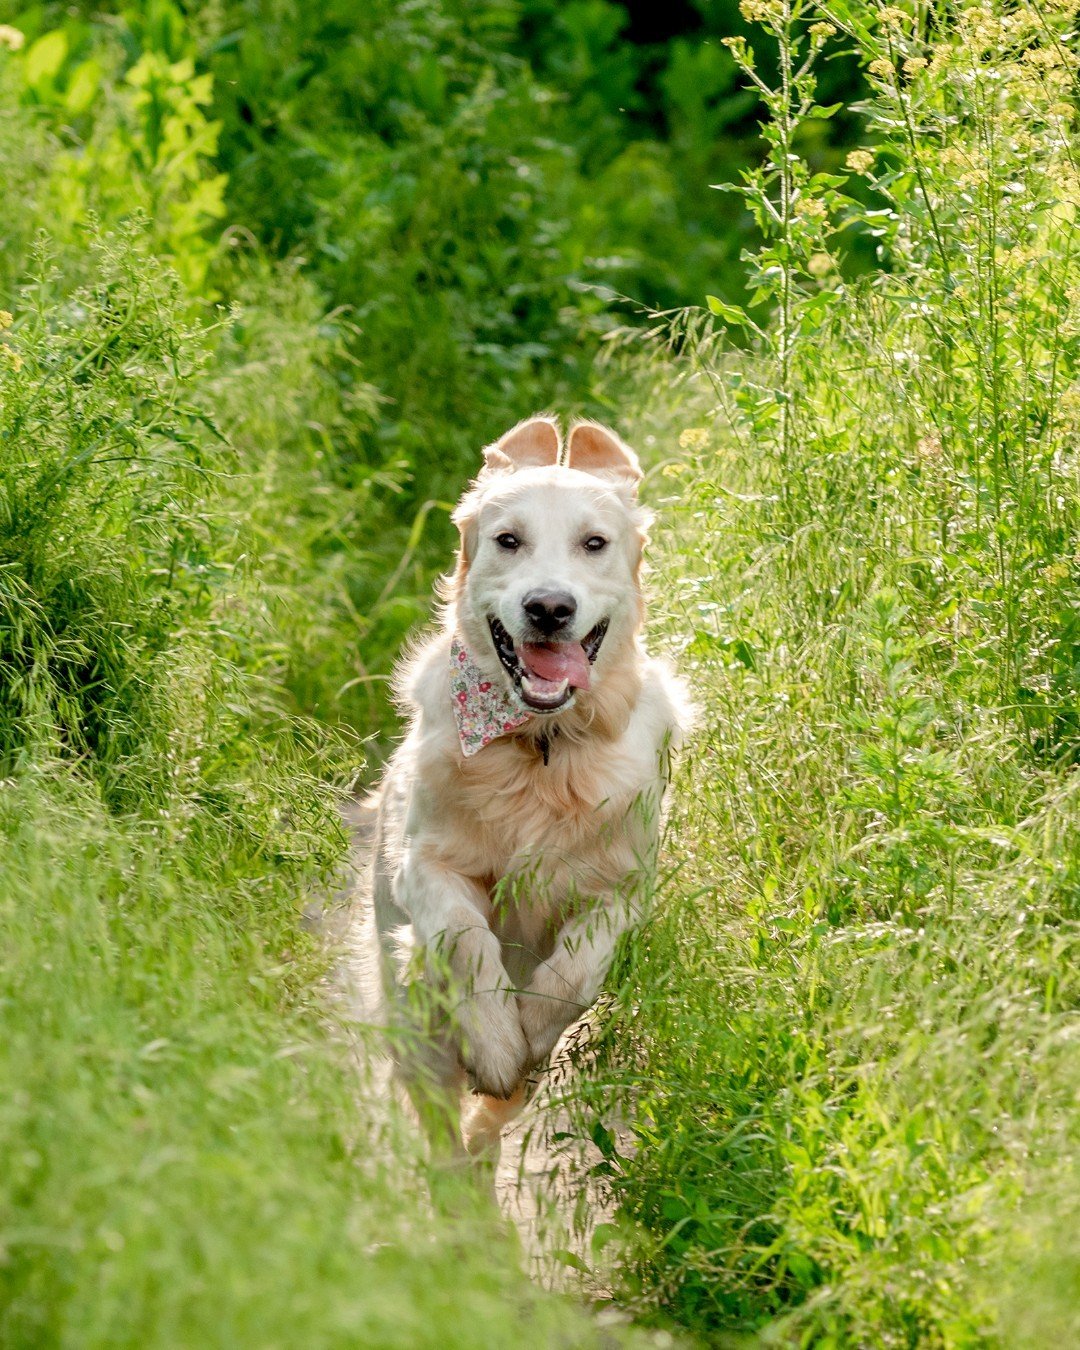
[664, 705]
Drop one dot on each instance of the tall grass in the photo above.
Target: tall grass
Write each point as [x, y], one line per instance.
[845, 1045]
[191, 1157]
[841, 1059]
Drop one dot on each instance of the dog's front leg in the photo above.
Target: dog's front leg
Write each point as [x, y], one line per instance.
[448, 913]
[566, 983]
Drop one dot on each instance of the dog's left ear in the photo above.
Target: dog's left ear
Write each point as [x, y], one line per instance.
[532, 444]
[596, 449]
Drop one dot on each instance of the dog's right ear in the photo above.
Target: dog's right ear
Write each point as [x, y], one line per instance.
[532, 444]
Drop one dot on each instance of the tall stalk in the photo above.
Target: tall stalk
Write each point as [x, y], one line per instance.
[793, 210]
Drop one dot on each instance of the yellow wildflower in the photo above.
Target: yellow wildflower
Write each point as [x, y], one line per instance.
[5, 319]
[1043, 58]
[694, 438]
[860, 161]
[819, 265]
[822, 30]
[914, 64]
[984, 31]
[881, 65]
[892, 16]
[12, 357]
[760, 11]
[811, 208]
[1067, 183]
[976, 177]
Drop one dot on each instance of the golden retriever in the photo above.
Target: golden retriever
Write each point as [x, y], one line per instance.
[518, 820]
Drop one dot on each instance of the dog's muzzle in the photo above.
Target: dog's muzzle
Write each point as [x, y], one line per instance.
[547, 674]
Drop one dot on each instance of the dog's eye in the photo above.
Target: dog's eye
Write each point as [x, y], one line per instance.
[508, 541]
[595, 543]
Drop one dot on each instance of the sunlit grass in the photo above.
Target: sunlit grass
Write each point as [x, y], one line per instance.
[843, 1052]
[191, 1153]
[845, 1044]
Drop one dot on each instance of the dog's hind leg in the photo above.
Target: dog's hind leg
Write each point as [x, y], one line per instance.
[484, 1118]
[437, 1108]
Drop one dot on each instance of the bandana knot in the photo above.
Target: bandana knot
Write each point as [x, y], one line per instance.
[484, 711]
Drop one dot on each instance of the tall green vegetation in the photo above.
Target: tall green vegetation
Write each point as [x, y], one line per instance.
[190, 1158]
[469, 189]
[298, 263]
[844, 1046]
[190, 1154]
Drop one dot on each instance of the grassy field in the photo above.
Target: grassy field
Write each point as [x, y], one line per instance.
[848, 1045]
[243, 371]
[191, 1154]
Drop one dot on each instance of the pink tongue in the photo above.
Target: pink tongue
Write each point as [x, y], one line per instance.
[560, 661]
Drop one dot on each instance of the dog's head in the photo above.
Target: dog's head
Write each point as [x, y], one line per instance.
[546, 593]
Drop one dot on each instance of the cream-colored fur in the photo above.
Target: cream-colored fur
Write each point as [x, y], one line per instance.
[502, 882]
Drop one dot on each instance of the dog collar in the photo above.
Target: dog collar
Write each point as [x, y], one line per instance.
[484, 710]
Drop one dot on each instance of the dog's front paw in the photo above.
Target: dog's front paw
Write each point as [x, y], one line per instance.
[546, 1009]
[493, 1046]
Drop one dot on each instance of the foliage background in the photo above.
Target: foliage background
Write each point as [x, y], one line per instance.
[270, 275]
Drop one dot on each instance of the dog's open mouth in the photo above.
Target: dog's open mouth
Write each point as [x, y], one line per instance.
[547, 673]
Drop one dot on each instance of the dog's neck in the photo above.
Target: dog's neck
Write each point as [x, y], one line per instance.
[485, 710]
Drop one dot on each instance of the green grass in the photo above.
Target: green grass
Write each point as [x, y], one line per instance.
[192, 1156]
[846, 1042]
[188, 1160]
[845, 1045]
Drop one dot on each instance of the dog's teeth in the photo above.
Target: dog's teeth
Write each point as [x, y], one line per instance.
[552, 693]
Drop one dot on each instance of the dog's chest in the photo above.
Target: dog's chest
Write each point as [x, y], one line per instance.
[521, 822]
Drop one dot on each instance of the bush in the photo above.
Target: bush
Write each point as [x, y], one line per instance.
[108, 555]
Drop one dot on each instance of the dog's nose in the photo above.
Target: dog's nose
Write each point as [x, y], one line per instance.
[549, 610]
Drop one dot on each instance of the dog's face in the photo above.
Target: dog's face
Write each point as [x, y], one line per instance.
[547, 583]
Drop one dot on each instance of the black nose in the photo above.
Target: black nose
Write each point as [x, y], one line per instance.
[549, 610]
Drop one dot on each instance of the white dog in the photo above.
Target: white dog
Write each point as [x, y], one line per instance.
[518, 821]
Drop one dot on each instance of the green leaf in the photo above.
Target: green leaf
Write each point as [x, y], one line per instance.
[673, 1208]
[82, 87]
[571, 1259]
[729, 313]
[45, 57]
[602, 1138]
[604, 1233]
[744, 652]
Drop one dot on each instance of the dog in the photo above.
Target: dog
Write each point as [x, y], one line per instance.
[518, 822]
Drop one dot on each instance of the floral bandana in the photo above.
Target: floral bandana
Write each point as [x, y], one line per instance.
[484, 710]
